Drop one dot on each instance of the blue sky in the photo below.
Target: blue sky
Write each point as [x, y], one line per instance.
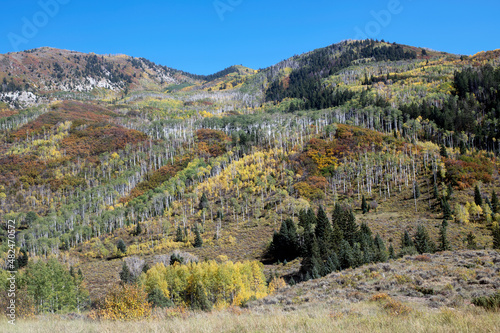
[204, 36]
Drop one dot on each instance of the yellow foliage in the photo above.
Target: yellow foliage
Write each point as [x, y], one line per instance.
[225, 283]
[276, 284]
[461, 213]
[125, 303]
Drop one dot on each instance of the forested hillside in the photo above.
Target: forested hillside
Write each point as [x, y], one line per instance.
[134, 183]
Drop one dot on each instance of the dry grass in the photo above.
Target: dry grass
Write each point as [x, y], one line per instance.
[360, 317]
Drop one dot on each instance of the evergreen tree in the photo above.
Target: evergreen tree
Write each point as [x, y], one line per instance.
[446, 209]
[138, 229]
[332, 264]
[495, 233]
[349, 227]
[176, 258]
[478, 199]
[285, 242]
[30, 219]
[406, 240]
[358, 255]
[444, 245]
[392, 255]
[323, 232]
[494, 202]
[311, 217]
[198, 296]
[366, 241]
[364, 205]
[198, 241]
[423, 243]
[463, 149]
[23, 258]
[179, 236]
[471, 241]
[203, 202]
[436, 191]
[303, 218]
[323, 228]
[337, 216]
[158, 300]
[121, 246]
[125, 274]
[313, 262]
[346, 255]
[380, 250]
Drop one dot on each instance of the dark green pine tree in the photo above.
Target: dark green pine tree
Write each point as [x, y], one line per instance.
[349, 227]
[436, 191]
[303, 218]
[311, 217]
[308, 237]
[323, 228]
[406, 240]
[359, 258]
[478, 199]
[463, 149]
[346, 255]
[323, 232]
[337, 216]
[471, 241]
[495, 233]
[381, 254]
[494, 202]
[332, 264]
[30, 219]
[121, 246]
[138, 229]
[423, 243]
[179, 236]
[198, 297]
[392, 255]
[23, 258]
[293, 239]
[285, 242]
[203, 202]
[198, 241]
[366, 241]
[158, 300]
[312, 264]
[444, 244]
[125, 275]
[446, 209]
[364, 206]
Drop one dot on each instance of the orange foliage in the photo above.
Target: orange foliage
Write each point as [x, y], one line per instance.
[211, 143]
[313, 188]
[466, 171]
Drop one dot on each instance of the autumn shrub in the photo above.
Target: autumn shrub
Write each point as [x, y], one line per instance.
[467, 170]
[423, 257]
[379, 297]
[125, 302]
[396, 308]
[276, 284]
